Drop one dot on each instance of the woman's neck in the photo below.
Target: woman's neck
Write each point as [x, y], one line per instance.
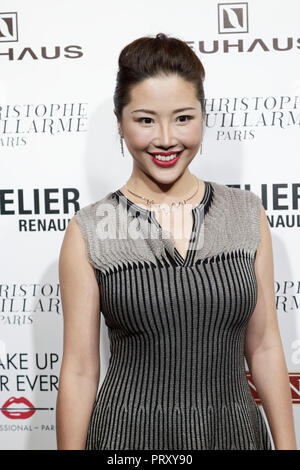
[161, 192]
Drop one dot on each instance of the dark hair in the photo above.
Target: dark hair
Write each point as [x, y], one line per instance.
[148, 57]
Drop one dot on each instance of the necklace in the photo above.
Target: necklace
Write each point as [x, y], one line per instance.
[151, 202]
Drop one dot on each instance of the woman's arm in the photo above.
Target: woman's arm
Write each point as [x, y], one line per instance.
[80, 369]
[264, 351]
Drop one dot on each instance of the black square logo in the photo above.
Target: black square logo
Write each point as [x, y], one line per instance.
[233, 18]
[8, 27]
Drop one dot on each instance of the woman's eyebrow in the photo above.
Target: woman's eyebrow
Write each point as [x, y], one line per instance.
[153, 112]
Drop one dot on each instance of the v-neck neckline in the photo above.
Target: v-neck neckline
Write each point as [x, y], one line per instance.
[195, 232]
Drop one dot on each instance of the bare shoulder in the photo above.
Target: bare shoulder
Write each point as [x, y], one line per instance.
[74, 263]
[80, 303]
[263, 330]
[74, 245]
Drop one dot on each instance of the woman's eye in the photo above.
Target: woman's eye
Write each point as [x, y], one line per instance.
[141, 120]
[150, 119]
[185, 116]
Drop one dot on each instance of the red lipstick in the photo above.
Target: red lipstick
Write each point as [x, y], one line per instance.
[165, 154]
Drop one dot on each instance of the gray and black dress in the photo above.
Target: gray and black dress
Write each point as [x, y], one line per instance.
[176, 377]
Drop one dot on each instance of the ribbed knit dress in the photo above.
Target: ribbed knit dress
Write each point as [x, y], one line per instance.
[176, 377]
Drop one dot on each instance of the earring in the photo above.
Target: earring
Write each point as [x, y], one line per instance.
[122, 148]
[201, 149]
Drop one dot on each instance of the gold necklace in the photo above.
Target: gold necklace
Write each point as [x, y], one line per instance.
[151, 202]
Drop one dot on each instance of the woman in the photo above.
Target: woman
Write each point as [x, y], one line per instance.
[182, 311]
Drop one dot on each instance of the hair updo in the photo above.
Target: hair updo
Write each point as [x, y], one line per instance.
[148, 57]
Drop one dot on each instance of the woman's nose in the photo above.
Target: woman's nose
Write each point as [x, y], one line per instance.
[165, 137]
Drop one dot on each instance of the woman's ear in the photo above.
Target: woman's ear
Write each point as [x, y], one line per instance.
[119, 124]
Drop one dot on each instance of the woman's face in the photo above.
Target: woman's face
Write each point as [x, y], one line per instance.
[157, 119]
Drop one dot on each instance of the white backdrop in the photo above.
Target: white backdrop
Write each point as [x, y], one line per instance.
[59, 150]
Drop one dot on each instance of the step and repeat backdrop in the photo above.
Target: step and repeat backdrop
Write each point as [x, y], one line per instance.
[60, 150]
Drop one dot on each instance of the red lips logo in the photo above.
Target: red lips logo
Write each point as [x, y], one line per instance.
[16, 413]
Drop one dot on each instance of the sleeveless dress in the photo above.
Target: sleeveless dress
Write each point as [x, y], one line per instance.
[176, 376]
